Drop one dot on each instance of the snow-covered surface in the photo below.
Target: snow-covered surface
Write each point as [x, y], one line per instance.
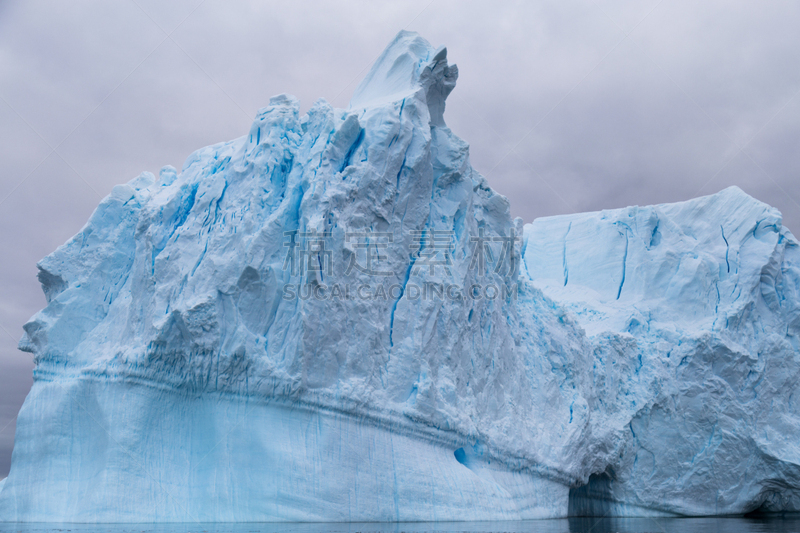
[637, 361]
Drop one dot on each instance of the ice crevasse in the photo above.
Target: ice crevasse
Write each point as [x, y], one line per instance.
[195, 361]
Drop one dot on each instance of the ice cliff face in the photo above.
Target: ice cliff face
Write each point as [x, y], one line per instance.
[335, 318]
[693, 314]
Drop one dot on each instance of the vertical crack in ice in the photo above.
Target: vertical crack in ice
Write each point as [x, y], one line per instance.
[394, 305]
[624, 262]
[221, 196]
[654, 237]
[200, 259]
[400, 172]
[727, 248]
[564, 256]
[352, 150]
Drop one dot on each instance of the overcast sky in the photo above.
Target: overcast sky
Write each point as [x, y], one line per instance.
[567, 106]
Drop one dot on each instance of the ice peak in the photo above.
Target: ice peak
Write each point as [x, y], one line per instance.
[732, 193]
[409, 64]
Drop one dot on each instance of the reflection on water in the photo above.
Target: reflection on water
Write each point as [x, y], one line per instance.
[571, 525]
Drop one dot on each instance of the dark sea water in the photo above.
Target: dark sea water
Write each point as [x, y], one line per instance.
[572, 525]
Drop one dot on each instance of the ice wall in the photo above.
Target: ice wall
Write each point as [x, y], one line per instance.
[693, 313]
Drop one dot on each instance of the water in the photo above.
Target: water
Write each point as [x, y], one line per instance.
[571, 525]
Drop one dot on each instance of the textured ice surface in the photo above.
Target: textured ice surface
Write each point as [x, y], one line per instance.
[693, 314]
[195, 362]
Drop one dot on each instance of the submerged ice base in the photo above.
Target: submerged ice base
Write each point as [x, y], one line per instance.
[234, 459]
[194, 362]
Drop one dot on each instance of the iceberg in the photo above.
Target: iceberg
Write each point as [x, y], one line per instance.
[692, 311]
[335, 318]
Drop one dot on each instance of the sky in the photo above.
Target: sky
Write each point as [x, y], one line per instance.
[567, 106]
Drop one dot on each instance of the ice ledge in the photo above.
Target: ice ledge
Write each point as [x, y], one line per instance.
[285, 394]
[205, 469]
